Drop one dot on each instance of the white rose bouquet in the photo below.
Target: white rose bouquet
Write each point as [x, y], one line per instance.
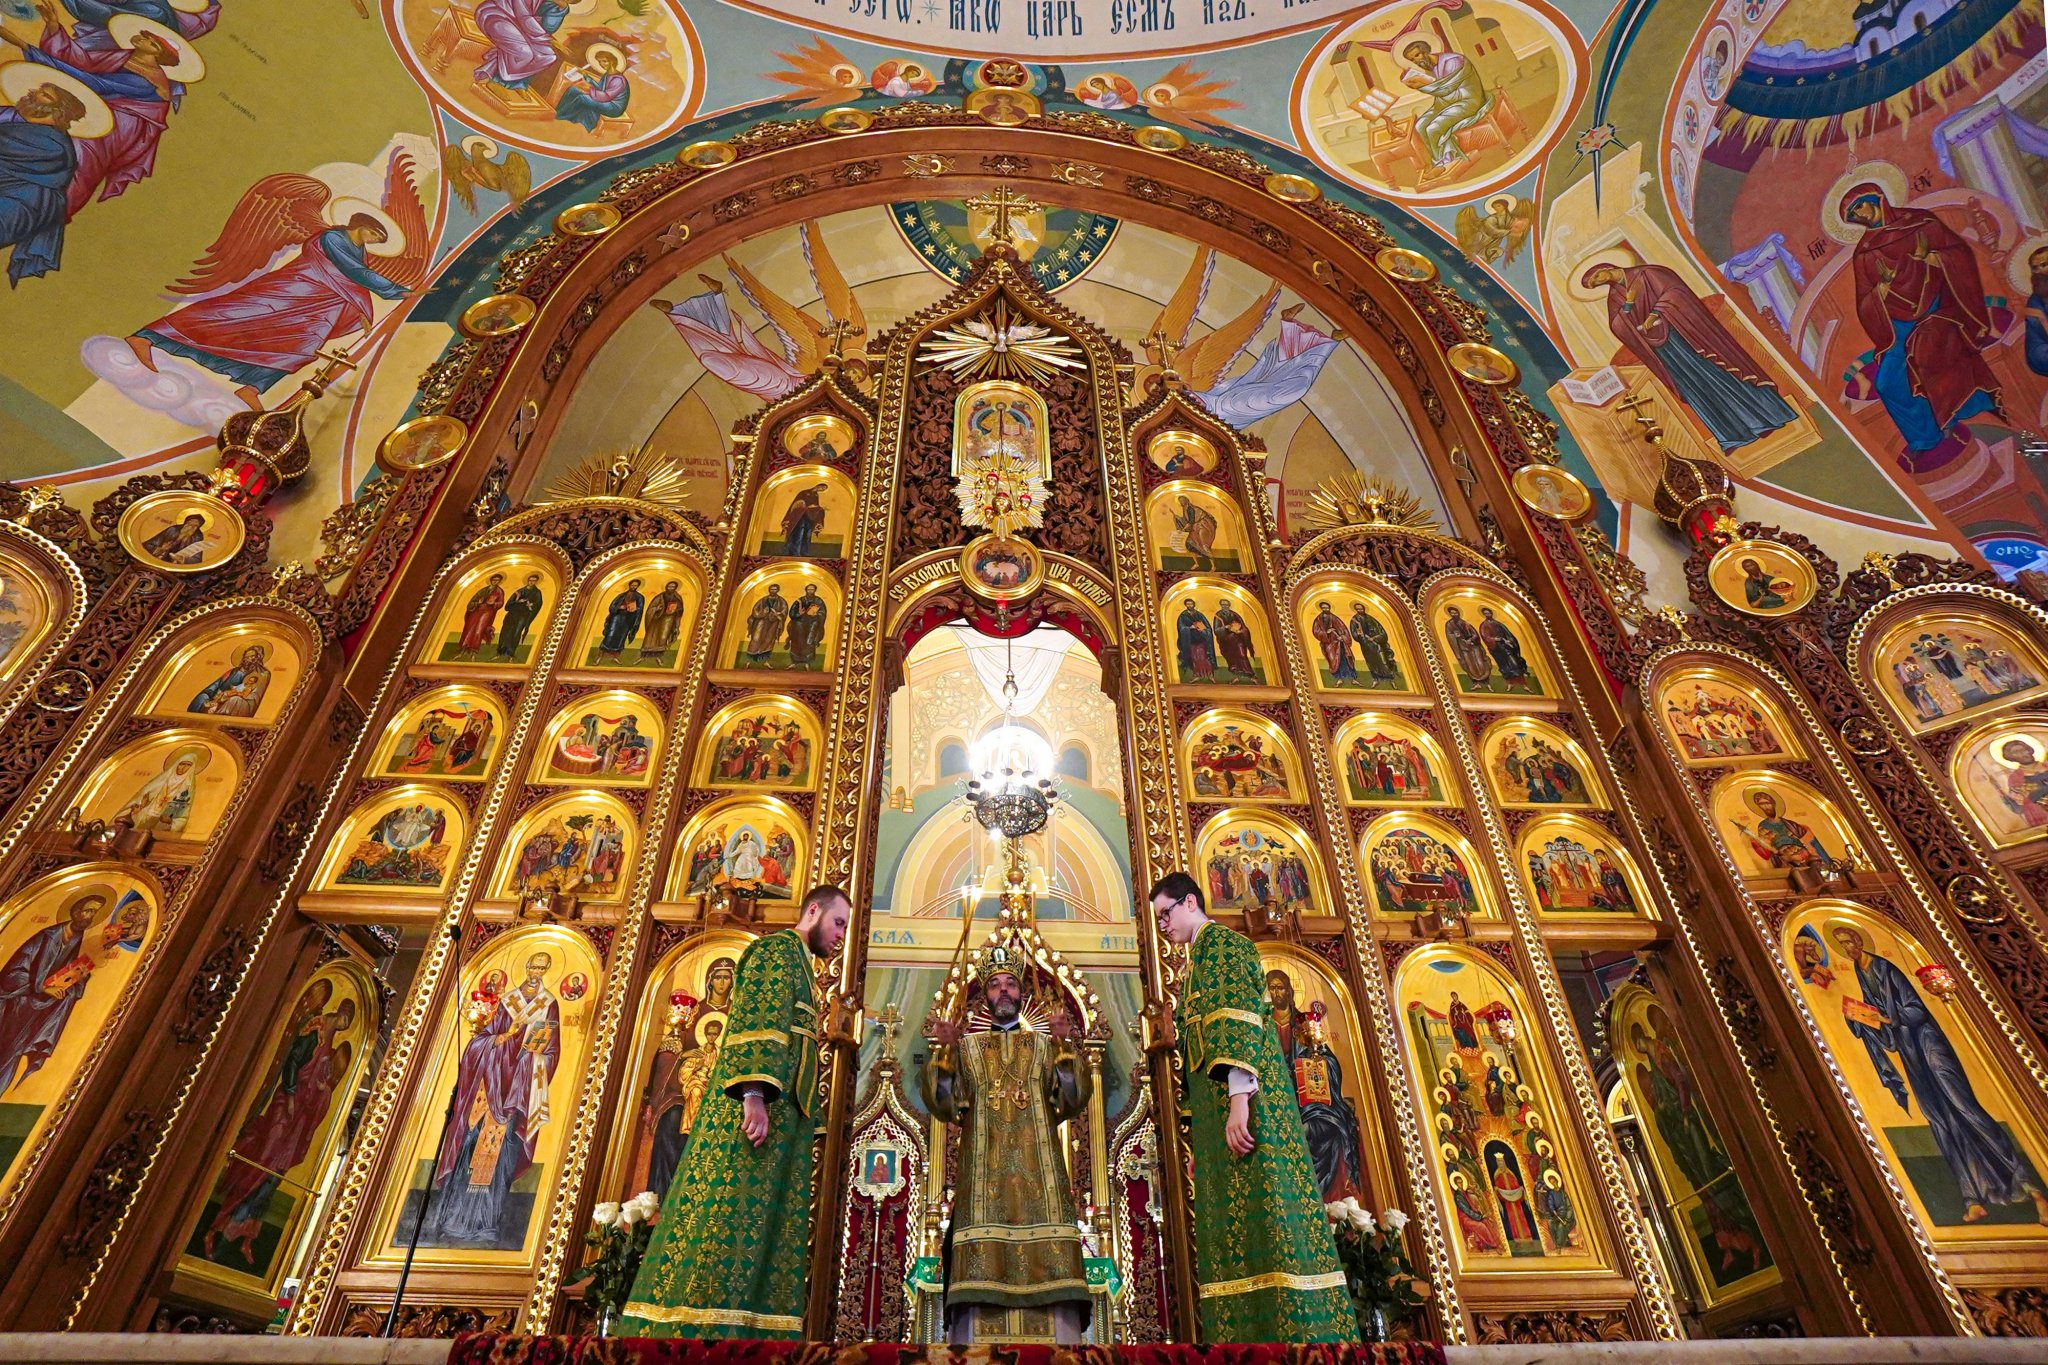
[618, 1235]
[1382, 1280]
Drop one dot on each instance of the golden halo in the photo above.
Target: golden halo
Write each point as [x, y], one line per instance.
[18, 78]
[1882, 174]
[343, 207]
[618, 54]
[1612, 255]
[2016, 270]
[124, 29]
[476, 144]
[200, 755]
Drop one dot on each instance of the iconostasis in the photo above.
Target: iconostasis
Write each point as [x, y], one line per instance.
[1569, 912]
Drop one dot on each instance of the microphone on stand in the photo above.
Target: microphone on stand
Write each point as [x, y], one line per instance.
[419, 1221]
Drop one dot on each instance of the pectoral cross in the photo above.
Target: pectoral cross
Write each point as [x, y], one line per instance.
[1002, 204]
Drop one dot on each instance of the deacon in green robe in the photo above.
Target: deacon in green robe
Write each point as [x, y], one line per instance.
[1265, 1263]
[730, 1251]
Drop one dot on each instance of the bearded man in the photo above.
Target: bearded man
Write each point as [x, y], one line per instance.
[731, 1250]
[1013, 1256]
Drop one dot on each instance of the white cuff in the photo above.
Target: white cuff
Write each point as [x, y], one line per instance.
[1241, 1082]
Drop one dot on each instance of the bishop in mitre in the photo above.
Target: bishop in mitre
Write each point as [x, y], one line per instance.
[1013, 1256]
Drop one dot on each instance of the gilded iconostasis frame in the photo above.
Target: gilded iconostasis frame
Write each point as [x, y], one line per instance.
[455, 852]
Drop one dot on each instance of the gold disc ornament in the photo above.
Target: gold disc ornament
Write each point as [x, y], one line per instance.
[422, 443]
[845, 120]
[587, 220]
[1552, 491]
[1399, 263]
[708, 155]
[1157, 137]
[1482, 364]
[1000, 569]
[181, 530]
[1762, 578]
[498, 315]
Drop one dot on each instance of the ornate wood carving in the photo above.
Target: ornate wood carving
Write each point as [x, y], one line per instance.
[1829, 1195]
[295, 820]
[428, 1320]
[213, 985]
[119, 620]
[1557, 1325]
[2020, 1311]
[112, 1182]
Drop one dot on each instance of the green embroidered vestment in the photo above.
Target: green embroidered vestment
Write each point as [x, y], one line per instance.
[731, 1251]
[1265, 1262]
[1014, 1242]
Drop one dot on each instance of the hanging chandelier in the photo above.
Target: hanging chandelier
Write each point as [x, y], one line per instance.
[1010, 800]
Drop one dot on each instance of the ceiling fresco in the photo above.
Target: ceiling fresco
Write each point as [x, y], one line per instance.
[1810, 238]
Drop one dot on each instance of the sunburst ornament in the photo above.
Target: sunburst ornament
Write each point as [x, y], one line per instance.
[634, 474]
[1352, 499]
[999, 345]
[1001, 491]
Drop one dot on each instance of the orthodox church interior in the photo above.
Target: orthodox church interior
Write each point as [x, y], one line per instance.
[504, 496]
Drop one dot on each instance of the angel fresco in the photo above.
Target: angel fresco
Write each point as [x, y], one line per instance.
[470, 166]
[257, 323]
[141, 69]
[1283, 374]
[728, 349]
[1498, 234]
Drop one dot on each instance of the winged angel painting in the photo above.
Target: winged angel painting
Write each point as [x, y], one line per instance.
[299, 265]
[726, 347]
[1285, 370]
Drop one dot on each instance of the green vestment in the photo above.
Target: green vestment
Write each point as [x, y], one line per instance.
[1014, 1243]
[1265, 1263]
[731, 1251]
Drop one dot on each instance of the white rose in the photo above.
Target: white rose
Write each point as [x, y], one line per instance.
[1351, 1206]
[1334, 1210]
[1362, 1221]
[631, 1213]
[604, 1215]
[646, 1202]
[1394, 1219]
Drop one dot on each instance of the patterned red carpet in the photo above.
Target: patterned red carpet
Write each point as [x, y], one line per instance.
[490, 1348]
